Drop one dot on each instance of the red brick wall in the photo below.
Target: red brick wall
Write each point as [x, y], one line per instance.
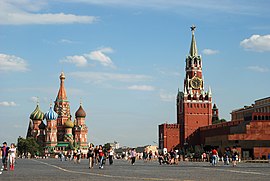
[168, 136]
[196, 115]
[255, 130]
[259, 152]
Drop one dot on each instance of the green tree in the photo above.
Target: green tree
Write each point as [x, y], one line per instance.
[29, 145]
[219, 121]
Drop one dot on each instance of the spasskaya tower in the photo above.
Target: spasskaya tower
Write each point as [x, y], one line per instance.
[194, 104]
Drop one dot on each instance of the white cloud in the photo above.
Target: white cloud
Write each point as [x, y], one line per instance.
[66, 41]
[8, 104]
[78, 60]
[257, 43]
[258, 69]
[100, 56]
[12, 63]
[15, 12]
[34, 99]
[167, 97]
[96, 55]
[97, 77]
[141, 87]
[210, 52]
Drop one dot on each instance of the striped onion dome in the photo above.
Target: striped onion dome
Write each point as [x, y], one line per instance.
[51, 114]
[37, 114]
[69, 124]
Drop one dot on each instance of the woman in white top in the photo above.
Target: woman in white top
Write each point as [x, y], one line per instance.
[12, 155]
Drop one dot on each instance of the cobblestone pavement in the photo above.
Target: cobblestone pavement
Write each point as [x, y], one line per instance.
[53, 169]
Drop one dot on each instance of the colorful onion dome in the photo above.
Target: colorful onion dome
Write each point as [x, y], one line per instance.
[37, 114]
[69, 124]
[51, 114]
[42, 125]
[80, 112]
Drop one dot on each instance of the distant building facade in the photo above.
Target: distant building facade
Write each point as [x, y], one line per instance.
[60, 133]
[249, 131]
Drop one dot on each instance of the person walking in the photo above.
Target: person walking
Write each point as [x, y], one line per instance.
[90, 155]
[227, 156]
[145, 155]
[234, 156]
[96, 159]
[110, 153]
[133, 155]
[12, 156]
[4, 150]
[214, 157]
[101, 156]
[79, 152]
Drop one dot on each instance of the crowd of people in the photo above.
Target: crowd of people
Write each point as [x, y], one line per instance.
[229, 156]
[98, 156]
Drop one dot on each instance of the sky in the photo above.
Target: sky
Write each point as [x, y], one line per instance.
[125, 60]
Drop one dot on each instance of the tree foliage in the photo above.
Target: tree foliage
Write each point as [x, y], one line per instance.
[219, 121]
[29, 145]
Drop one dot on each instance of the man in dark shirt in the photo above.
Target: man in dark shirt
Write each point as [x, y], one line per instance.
[4, 150]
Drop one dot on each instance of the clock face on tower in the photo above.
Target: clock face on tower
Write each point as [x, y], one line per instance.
[196, 82]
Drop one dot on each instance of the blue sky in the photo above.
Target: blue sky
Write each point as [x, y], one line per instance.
[126, 60]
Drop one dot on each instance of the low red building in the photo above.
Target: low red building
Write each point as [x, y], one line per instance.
[249, 131]
[169, 135]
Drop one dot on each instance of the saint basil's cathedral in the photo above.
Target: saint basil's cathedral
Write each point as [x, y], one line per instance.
[60, 132]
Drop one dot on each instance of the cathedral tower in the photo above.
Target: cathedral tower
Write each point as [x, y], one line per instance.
[68, 133]
[194, 104]
[80, 128]
[36, 116]
[61, 107]
[51, 129]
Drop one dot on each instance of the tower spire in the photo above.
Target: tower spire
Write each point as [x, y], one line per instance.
[62, 91]
[193, 47]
